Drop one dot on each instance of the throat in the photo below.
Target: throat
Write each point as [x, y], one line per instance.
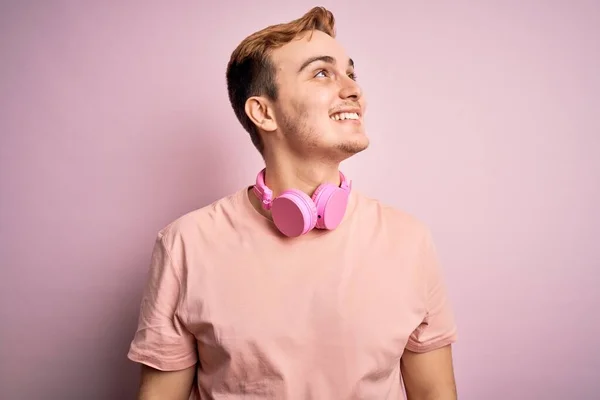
[304, 179]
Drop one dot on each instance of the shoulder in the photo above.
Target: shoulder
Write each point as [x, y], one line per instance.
[396, 221]
[203, 224]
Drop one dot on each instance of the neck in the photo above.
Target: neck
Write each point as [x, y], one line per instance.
[305, 176]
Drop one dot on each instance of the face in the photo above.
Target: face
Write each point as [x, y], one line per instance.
[320, 107]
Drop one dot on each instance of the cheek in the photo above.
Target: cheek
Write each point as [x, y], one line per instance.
[323, 99]
[317, 107]
[310, 107]
[316, 96]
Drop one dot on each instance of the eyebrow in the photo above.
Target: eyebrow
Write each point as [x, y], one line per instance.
[326, 59]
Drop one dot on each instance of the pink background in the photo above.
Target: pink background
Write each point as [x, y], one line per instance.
[484, 119]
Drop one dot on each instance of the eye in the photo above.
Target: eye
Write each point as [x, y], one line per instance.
[322, 74]
[352, 76]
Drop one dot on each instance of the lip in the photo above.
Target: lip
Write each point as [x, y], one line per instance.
[348, 110]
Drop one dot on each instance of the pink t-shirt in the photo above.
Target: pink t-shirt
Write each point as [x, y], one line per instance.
[262, 316]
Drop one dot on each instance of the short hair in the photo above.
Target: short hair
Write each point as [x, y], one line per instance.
[250, 71]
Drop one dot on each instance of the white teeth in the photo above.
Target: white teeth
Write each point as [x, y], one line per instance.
[344, 116]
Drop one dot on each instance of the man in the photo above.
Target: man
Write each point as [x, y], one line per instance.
[298, 287]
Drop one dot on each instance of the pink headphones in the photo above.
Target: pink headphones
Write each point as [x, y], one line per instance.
[294, 213]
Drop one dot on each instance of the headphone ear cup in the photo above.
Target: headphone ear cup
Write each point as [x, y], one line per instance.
[294, 213]
[330, 202]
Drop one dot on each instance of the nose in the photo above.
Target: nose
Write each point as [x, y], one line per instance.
[350, 89]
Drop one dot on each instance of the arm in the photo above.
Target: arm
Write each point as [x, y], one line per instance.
[426, 364]
[165, 385]
[162, 343]
[430, 375]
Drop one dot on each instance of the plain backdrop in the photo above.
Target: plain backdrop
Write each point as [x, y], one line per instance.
[484, 123]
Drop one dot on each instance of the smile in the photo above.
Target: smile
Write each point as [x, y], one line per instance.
[343, 116]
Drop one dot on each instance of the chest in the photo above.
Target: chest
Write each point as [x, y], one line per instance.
[349, 307]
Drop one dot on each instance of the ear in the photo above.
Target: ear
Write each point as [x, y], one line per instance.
[260, 111]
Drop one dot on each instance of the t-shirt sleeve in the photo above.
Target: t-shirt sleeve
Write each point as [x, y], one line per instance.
[161, 340]
[438, 327]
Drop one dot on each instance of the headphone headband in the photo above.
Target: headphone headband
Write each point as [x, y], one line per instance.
[265, 195]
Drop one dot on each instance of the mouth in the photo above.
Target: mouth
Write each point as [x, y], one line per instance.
[350, 115]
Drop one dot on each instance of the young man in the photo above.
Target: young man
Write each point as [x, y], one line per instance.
[298, 287]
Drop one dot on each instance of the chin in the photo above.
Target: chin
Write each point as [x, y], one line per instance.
[356, 144]
[348, 148]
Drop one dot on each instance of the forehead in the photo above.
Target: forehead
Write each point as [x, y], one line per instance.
[291, 56]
